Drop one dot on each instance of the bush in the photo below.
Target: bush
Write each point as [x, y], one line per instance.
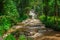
[11, 10]
[10, 37]
[24, 17]
[22, 37]
[5, 24]
[50, 22]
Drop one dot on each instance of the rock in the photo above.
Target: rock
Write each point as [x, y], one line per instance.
[32, 22]
[27, 25]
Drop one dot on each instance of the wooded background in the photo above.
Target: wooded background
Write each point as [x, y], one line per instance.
[14, 11]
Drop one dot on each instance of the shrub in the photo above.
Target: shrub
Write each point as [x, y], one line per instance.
[22, 37]
[50, 22]
[10, 10]
[5, 24]
[10, 37]
[42, 18]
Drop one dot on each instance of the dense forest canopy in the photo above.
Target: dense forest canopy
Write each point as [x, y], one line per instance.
[14, 11]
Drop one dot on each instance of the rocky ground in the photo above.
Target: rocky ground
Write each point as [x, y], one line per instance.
[35, 23]
[50, 36]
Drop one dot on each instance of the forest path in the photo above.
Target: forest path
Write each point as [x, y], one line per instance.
[47, 35]
[52, 35]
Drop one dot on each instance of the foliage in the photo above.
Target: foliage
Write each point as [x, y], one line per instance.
[10, 16]
[5, 24]
[23, 9]
[22, 37]
[50, 22]
[14, 11]
[10, 9]
[10, 37]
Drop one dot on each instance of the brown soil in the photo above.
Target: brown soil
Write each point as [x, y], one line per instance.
[50, 36]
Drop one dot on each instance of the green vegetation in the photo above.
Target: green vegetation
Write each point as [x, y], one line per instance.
[10, 16]
[5, 24]
[10, 37]
[22, 37]
[50, 22]
[10, 10]
[15, 11]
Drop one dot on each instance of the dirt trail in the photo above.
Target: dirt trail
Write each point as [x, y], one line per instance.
[50, 36]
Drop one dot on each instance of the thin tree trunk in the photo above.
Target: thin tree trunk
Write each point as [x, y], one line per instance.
[56, 13]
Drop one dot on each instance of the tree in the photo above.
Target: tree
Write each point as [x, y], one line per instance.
[1, 7]
[10, 10]
[22, 8]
